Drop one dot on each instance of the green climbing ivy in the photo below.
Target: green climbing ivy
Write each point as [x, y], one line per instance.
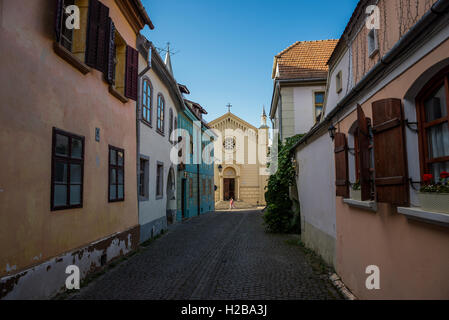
[278, 216]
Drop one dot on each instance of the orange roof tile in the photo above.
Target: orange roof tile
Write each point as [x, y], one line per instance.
[304, 59]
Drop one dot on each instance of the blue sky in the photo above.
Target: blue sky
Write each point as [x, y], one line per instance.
[226, 48]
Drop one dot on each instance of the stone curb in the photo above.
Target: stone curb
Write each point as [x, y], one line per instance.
[340, 286]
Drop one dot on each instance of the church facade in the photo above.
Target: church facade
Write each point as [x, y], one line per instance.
[240, 170]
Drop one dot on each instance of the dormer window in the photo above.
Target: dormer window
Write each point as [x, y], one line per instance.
[373, 43]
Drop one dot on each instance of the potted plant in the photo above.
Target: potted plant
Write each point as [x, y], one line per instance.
[356, 191]
[435, 196]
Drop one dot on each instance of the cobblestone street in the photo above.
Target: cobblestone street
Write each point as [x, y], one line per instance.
[216, 256]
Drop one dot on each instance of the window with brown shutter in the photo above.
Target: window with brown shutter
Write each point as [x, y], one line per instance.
[97, 31]
[70, 43]
[341, 165]
[111, 59]
[132, 64]
[390, 158]
[363, 155]
[433, 120]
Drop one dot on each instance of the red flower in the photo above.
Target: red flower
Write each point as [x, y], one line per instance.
[427, 178]
[444, 175]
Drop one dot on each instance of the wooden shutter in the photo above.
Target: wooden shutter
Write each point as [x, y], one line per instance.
[97, 42]
[132, 62]
[110, 71]
[390, 155]
[341, 165]
[364, 154]
[58, 18]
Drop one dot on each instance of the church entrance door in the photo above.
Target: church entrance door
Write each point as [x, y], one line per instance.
[229, 189]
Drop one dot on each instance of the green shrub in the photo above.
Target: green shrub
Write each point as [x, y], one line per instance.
[279, 217]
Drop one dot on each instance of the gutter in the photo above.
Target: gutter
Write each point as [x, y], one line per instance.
[438, 9]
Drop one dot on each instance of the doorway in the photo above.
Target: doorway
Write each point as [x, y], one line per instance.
[229, 189]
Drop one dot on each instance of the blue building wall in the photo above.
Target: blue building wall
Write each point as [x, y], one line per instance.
[194, 175]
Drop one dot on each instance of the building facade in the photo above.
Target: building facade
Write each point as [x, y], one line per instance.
[389, 129]
[69, 193]
[159, 104]
[195, 175]
[241, 159]
[299, 77]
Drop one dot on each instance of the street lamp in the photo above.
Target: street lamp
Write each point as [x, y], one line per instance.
[220, 168]
[332, 131]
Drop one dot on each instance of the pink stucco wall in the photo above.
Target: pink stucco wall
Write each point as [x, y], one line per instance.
[413, 257]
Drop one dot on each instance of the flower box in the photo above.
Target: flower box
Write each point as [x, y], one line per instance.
[433, 201]
[356, 195]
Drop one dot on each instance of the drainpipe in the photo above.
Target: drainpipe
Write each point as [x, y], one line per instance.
[139, 98]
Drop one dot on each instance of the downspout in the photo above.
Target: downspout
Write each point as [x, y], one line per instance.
[139, 98]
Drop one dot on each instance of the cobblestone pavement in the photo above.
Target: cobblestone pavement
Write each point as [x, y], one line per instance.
[225, 255]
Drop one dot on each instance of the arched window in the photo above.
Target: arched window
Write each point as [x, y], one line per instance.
[160, 113]
[433, 120]
[170, 125]
[147, 100]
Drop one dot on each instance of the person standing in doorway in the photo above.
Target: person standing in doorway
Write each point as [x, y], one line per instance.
[231, 204]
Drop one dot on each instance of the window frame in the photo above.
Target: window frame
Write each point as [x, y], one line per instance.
[159, 180]
[68, 160]
[315, 104]
[355, 152]
[160, 114]
[116, 166]
[339, 81]
[170, 125]
[150, 107]
[146, 176]
[440, 79]
[375, 49]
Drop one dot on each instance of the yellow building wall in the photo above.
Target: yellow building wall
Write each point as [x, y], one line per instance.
[39, 91]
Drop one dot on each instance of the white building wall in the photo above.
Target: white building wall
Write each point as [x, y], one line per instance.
[333, 97]
[318, 219]
[157, 148]
[304, 107]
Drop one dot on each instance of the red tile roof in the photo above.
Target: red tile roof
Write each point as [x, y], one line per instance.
[304, 60]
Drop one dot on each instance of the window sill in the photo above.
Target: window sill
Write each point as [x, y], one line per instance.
[160, 132]
[373, 54]
[159, 197]
[70, 58]
[441, 219]
[146, 123]
[118, 95]
[144, 199]
[367, 205]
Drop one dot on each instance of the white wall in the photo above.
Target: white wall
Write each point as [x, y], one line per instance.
[316, 167]
[157, 148]
[304, 107]
[344, 65]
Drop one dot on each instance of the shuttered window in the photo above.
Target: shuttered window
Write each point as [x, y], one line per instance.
[433, 120]
[390, 156]
[131, 73]
[341, 165]
[363, 147]
[97, 32]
